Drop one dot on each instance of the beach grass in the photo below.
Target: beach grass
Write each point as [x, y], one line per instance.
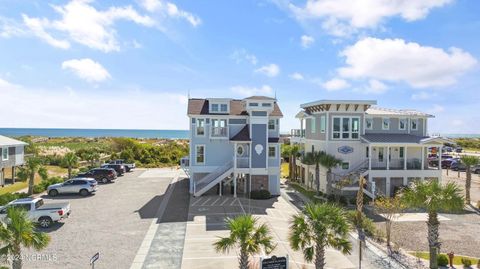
[457, 260]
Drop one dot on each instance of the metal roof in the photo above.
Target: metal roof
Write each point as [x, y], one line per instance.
[7, 141]
[375, 110]
[400, 139]
[339, 102]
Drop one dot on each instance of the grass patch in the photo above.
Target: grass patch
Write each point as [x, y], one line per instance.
[457, 260]
[53, 171]
[310, 194]
[284, 170]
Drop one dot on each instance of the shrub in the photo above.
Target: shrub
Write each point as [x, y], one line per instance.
[353, 200]
[366, 224]
[442, 260]
[8, 197]
[38, 189]
[343, 201]
[331, 197]
[466, 262]
[260, 195]
[42, 186]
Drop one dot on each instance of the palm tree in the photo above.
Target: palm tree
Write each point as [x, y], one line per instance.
[248, 236]
[433, 197]
[469, 161]
[70, 160]
[32, 166]
[318, 227]
[314, 158]
[329, 161]
[20, 232]
[294, 154]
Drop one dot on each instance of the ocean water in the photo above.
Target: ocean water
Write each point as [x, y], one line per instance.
[172, 134]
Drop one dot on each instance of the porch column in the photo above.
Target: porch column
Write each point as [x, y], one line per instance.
[423, 158]
[2, 177]
[235, 176]
[220, 188]
[440, 158]
[388, 158]
[235, 156]
[13, 174]
[301, 128]
[387, 188]
[369, 157]
[405, 181]
[405, 159]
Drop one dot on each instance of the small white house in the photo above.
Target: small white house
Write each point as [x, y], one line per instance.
[12, 155]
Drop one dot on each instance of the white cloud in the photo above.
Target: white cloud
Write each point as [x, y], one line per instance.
[306, 41]
[296, 76]
[398, 61]
[87, 69]
[171, 10]
[80, 108]
[376, 87]
[436, 109]
[250, 91]
[241, 55]
[10, 28]
[335, 84]
[422, 96]
[342, 17]
[271, 70]
[6, 86]
[82, 23]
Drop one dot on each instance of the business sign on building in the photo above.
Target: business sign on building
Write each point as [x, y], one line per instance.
[275, 262]
[345, 149]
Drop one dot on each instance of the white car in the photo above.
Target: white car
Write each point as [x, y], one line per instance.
[37, 211]
[82, 186]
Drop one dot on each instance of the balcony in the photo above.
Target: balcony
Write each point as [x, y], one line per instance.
[219, 132]
[297, 132]
[243, 162]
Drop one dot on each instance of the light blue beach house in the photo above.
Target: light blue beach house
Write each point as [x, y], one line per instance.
[234, 145]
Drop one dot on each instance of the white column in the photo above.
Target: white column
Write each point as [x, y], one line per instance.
[235, 185]
[369, 157]
[220, 188]
[440, 158]
[388, 158]
[301, 127]
[387, 191]
[405, 159]
[405, 181]
[423, 158]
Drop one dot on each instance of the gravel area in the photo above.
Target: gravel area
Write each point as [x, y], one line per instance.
[459, 234]
[475, 188]
[112, 222]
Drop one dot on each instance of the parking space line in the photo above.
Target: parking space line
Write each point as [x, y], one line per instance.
[224, 201]
[233, 202]
[198, 200]
[213, 204]
[206, 201]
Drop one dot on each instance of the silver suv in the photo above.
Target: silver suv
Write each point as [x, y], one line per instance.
[83, 186]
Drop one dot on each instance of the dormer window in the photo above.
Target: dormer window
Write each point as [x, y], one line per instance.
[223, 108]
[254, 104]
[266, 104]
[219, 108]
[215, 108]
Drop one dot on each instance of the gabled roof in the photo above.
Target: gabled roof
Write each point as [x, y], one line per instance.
[401, 139]
[243, 135]
[375, 110]
[7, 141]
[237, 107]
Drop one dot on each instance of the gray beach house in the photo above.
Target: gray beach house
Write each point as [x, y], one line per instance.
[12, 152]
[234, 145]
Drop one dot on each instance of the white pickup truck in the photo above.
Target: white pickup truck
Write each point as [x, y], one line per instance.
[37, 211]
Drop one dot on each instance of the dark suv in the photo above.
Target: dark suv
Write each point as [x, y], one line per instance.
[103, 175]
[119, 168]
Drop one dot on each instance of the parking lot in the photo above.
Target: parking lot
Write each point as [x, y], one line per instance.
[112, 222]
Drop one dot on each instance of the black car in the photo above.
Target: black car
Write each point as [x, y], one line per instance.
[119, 168]
[103, 175]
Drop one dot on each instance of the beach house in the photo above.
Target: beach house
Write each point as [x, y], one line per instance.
[12, 156]
[389, 147]
[234, 145]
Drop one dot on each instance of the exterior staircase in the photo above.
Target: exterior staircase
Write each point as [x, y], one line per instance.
[206, 183]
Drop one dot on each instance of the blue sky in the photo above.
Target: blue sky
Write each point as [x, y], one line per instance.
[85, 64]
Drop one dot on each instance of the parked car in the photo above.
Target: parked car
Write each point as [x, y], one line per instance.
[82, 186]
[458, 149]
[38, 211]
[476, 169]
[128, 166]
[446, 163]
[119, 168]
[457, 165]
[447, 149]
[103, 175]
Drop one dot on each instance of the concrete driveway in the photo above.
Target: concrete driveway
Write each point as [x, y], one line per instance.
[112, 222]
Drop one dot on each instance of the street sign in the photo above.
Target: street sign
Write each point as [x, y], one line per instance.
[275, 262]
[94, 258]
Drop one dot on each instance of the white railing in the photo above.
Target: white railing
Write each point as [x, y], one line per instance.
[219, 132]
[211, 177]
[297, 132]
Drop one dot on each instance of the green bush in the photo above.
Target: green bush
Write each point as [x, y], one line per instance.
[442, 260]
[466, 262]
[343, 201]
[331, 197]
[8, 197]
[366, 224]
[42, 186]
[353, 200]
[38, 189]
[260, 195]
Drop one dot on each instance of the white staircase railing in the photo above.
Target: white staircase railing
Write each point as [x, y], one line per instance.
[213, 178]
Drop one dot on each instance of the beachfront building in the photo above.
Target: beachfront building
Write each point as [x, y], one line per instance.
[389, 147]
[234, 145]
[12, 152]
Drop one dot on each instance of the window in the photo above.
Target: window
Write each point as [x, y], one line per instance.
[271, 125]
[253, 104]
[368, 123]
[272, 152]
[401, 153]
[386, 124]
[219, 128]
[239, 151]
[336, 128]
[414, 124]
[322, 124]
[312, 125]
[4, 154]
[223, 108]
[402, 124]
[345, 165]
[200, 129]
[200, 154]
[215, 107]
[355, 127]
[266, 104]
[346, 127]
[366, 155]
[380, 155]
